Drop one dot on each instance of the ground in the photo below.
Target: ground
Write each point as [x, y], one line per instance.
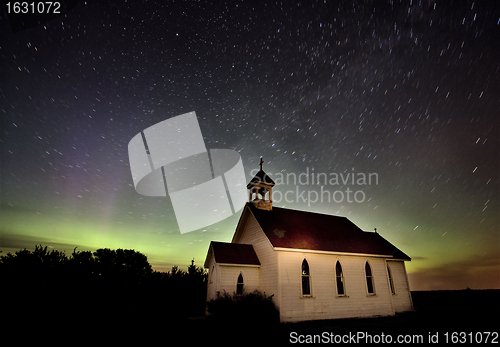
[439, 315]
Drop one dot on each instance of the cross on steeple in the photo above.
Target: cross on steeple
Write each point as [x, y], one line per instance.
[260, 190]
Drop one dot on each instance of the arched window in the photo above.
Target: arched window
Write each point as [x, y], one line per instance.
[239, 285]
[306, 278]
[339, 275]
[391, 282]
[369, 279]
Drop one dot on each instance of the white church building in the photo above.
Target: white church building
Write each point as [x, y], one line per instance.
[316, 266]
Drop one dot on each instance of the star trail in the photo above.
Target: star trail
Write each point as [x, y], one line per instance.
[406, 90]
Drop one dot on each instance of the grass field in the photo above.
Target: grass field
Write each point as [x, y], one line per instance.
[439, 316]
[437, 313]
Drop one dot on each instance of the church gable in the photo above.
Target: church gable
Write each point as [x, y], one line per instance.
[249, 230]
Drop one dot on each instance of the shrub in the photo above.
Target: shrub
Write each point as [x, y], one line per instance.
[251, 309]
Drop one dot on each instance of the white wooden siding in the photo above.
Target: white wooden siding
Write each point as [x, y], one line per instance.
[254, 235]
[224, 277]
[401, 300]
[324, 303]
[213, 278]
[228, 277]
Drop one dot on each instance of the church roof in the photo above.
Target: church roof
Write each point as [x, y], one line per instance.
[234, 253]
[261, 176]
[287, 228]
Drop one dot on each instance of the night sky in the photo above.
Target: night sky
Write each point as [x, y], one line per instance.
[408, 90]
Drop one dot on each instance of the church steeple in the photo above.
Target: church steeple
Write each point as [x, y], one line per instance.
[259, 187]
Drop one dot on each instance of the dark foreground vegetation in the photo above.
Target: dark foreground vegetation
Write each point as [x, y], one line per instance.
[105, 280]
[245, 310]
[113, 296]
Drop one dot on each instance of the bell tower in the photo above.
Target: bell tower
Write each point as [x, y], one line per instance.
[260, 187]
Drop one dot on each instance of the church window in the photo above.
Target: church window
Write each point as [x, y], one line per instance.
[369, 279]
[239, 285]
[391, 282]
[306, 279]
[339, 275]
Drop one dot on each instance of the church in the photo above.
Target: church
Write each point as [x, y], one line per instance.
[315, 266]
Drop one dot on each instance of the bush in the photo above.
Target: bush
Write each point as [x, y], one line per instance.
[250, 309]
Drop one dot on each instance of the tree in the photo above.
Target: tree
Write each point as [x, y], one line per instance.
[100, 280]
[29, 277]
[124, 266]
[40, 266]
